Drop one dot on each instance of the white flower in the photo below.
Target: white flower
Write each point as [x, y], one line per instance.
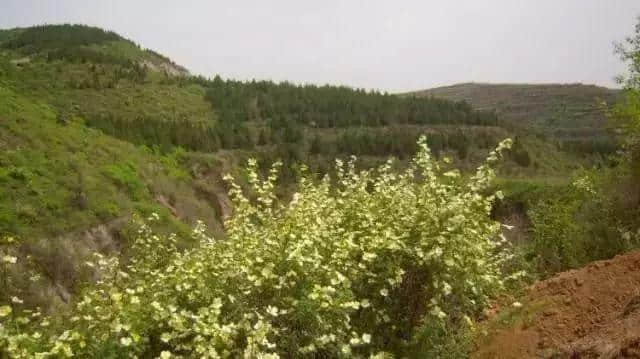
[165, 337]
[5, 310]
[437, 312]
[446, 288]
[384, 292]
[9, 259]
[366, 338]
[125, 341]
[272, 311]
[346, 349]
[17, 300]
[516, 305]
[165, 354]
[157, 306]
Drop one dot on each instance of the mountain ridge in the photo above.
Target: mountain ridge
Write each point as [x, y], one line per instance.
[572, 104]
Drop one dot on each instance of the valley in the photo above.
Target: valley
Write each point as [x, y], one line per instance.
[125, 179]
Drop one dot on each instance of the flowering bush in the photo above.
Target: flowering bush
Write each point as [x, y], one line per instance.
[346, 269]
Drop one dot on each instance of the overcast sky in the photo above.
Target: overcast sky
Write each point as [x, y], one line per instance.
[388, 45]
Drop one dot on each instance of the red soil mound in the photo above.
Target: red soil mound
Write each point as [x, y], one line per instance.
[592, 312]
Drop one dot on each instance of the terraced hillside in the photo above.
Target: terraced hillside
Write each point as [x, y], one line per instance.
[545, 105]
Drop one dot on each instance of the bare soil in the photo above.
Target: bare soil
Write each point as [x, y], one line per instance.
[592, 312]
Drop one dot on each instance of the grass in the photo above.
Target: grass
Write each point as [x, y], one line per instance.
[59, 178]
[510, 318]
[53, 83]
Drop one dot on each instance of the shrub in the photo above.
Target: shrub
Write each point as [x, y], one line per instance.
[587, 220]
[344, 270]
[558, 238]
[125, 175]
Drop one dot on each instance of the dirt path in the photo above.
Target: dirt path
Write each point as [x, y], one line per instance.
[592, 312]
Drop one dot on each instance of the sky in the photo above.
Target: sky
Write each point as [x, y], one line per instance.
[393, 46]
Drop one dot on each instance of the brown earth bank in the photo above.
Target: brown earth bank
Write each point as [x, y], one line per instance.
[592, 312]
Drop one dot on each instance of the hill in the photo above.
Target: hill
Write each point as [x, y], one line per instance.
[83, 43]
[544, 105]
[68, 189]
[574, 116]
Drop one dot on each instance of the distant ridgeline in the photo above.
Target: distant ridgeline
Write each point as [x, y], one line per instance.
[574, 115]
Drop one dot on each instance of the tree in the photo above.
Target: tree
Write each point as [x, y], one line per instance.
[627, 112]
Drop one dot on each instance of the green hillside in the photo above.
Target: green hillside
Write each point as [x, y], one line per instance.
[551, 105]
[574, 116]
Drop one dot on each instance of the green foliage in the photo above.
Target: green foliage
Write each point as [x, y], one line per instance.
[629, 52]
[600, 145]
[559, 240]
[124, 175]
[57, 178]
[437, 339]
[595, 216]
[167, 135]
[520, 154]
[45, 37]
[331, 106]
[588, 220]
[350, 270]
[627, 112]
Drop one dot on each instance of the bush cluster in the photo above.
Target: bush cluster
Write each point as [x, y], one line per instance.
[592, 218]
[350, 267]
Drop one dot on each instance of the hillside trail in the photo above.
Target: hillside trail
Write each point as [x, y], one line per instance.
[591, 312]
